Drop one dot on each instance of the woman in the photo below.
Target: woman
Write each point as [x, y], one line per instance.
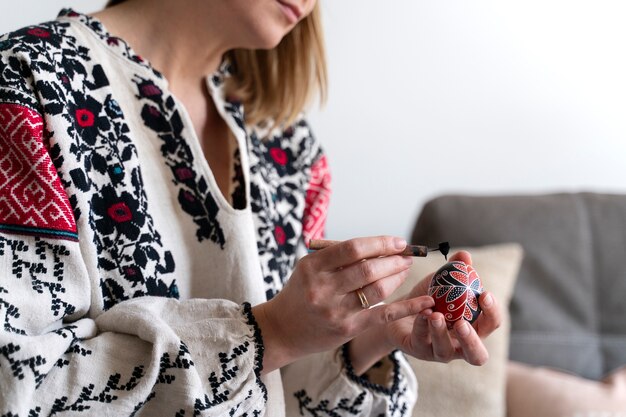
[144, 214]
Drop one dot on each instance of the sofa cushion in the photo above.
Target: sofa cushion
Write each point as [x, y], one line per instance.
[567, 310]
[541, 391]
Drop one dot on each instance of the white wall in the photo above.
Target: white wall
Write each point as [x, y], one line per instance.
[493, 96]
[431, 97]
[16, 14]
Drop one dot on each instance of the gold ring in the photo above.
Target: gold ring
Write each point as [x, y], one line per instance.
[364, 303]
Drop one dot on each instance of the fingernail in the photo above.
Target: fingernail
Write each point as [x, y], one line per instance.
[399, 243]
[488, 300]
[408, 260]
[463, 330]
[437, 323]
[425, 314]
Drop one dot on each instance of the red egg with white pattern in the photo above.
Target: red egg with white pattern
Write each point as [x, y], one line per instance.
[456, 287]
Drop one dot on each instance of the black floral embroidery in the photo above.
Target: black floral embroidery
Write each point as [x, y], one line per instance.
[140, 405]
[117, 215]
[20, 366]
[229, 368]
[233, 107]
[75, 347]
[30, 53]
[396, 392]
[131, 255]
[280, 169]
[181, 361]
[89, 120]
[282, 158]
[238, 196]
[11, 313]
[45, 276]
[11, 248]
[99, 167]
[107, 395]
[160, 114]
[260, 347]
[40, 34]
[324, 408]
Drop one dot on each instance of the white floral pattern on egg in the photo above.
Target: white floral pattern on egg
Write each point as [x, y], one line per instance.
[456, 287]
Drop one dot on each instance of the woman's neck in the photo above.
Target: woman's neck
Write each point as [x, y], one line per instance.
[180, 42]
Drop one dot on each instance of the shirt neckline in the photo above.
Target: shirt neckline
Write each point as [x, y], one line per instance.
[114, 43]
[123, 49]
[230, 110]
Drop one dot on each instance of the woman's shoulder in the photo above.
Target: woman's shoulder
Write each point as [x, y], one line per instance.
[291, 144]
[19, 50]
[28, 52]
[35, 41]
[38, 62]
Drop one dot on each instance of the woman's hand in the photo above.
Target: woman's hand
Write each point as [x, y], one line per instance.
[426, 336]
[318, 309]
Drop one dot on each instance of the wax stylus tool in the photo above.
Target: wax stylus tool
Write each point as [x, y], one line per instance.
[443, 247]
[410, 250]
[419, 250]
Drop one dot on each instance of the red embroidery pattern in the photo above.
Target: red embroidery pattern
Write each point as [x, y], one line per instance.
[32, 200]
[316, 201]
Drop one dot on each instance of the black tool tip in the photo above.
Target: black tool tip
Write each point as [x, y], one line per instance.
[444, 248]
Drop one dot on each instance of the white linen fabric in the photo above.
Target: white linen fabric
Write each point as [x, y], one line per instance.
[126, 276]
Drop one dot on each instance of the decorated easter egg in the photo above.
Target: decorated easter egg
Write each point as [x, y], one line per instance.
[455, 287]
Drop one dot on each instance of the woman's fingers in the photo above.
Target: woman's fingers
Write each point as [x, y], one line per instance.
[463, 256]
[375, 292]
[370, 271]
[351, 251]
[472, 348]
[432, 340]
[387, 313]
[443, 349]
[421, 341]
[491, 316]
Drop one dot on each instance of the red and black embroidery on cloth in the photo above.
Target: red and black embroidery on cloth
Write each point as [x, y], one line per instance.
[44, 172]
[354, 406]
[106, 166]
[91, 157]
[281, 167]
[131, 258]
[160, 114]
[33, 200]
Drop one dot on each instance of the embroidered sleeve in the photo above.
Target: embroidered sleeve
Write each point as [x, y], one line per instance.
[148, 355]
[315, 183]
[316, 200]
[32, 200]
[325, 385]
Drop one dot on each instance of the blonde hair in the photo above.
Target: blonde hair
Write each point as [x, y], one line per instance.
[275, 85]
[278, 84]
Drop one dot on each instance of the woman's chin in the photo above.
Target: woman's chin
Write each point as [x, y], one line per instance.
[270, 43]
[267, 38]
